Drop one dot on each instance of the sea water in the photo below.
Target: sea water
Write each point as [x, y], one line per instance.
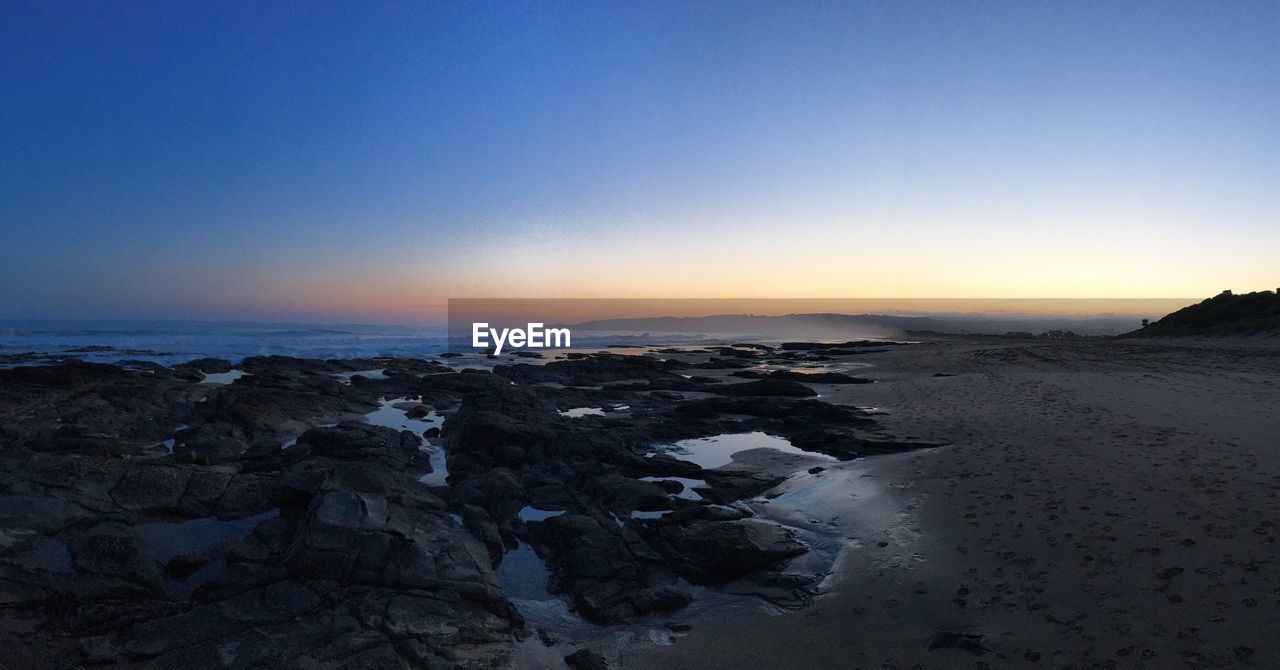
[172, 342]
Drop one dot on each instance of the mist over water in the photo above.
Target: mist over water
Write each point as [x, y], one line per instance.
[672, 320]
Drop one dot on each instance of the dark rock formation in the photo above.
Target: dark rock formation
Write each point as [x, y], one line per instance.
[353, 564]
[767, 387]
[147, 519]
[583, 659]
[714, 552]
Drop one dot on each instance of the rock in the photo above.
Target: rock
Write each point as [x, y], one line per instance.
[598, 369]
[669, 487]
[623, 494]
[26, 517]
[508, 456]
[209, 450]
[481, 526]
[827, 346]
[151, 487]
[970, 642]
[355, 562]
[727, 486]
[667, 395]
[719, 552]
[207, 365]
[819, 377]
[114, 550]
[351, 440]
[606, 569]
[499, 491]
[584, 659]
[89, 408]
[181, 567]
[766, 387]
[276, 400]
[248, 494]
[809, 378]
[71, 374]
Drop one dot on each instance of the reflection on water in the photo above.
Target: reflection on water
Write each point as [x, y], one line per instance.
[48, 554]
[637, 514]
[223, 377]
[197, 536]
[814, 368]
[393, 414]
[577, 412]
[207, 539]
[714, 452]
[689, 484]
[535, 514]
[833, 508]
[524, 575]
[439, 474]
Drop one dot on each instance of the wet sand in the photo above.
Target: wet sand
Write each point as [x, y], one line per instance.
[1105, 503]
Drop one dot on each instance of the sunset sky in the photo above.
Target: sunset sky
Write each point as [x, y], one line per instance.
[311, 161]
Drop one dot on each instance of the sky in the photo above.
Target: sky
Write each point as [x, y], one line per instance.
[367, 161]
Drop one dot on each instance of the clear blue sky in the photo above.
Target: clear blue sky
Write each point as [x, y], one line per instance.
[365, 161]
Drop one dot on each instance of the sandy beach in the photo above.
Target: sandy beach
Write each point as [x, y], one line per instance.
[1103, 504]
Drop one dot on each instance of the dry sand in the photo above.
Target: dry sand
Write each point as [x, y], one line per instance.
[1105, 503]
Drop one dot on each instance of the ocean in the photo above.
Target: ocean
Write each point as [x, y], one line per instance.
[172, 342]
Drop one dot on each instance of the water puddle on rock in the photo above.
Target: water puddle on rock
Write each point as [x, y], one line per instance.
[688, 492]
[524, 577]
[816, 368]
[393, 414]
[638, 514]
[718, 451]
[223, 377]
[345, 377]
[535, 514]
[578, 412]
[49, 554]
[203, 542]
[439, 475]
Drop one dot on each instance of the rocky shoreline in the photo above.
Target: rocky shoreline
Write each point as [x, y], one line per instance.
[155, 519]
